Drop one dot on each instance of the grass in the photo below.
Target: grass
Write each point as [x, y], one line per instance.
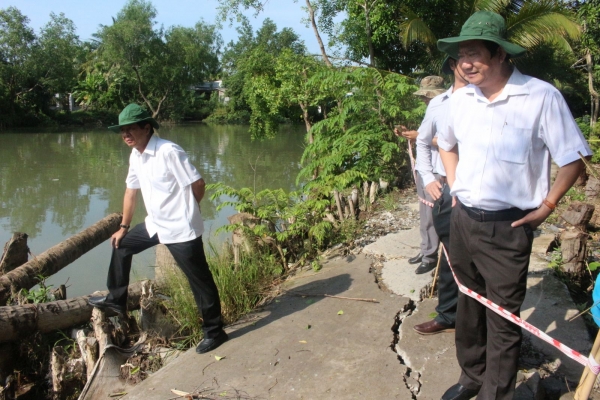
[241, 288]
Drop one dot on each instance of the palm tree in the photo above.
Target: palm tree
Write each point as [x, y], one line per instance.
[529, 23]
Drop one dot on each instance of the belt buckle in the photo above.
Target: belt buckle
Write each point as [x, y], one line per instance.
[482, 215]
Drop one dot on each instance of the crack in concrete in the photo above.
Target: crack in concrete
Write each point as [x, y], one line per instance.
[412, 379]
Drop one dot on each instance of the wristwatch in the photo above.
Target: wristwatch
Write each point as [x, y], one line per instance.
[124, 226]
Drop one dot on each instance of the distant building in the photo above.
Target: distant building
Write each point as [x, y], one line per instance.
[209, 87]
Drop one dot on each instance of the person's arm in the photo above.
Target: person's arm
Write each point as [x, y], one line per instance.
[198, 188]
[128, 209]
[424, 164]
[450, 161]
[565, 178]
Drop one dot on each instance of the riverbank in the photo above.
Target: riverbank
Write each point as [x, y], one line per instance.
[345, 346]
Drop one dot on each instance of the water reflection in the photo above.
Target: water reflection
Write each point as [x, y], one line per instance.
[52, 185]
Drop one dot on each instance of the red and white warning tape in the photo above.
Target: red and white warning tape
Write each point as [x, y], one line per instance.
[581, 359]
[414, 171]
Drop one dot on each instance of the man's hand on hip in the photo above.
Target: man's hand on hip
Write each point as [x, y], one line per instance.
[534, 218]
[434, 189]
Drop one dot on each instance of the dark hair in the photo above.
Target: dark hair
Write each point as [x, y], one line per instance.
[493, 49]
[142, 124]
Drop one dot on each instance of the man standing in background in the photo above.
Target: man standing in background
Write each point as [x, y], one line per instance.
[430, 87]
[433, 175]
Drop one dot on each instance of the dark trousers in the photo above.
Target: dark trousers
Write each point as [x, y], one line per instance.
[447, 288]
[491, 258]
[191, 259]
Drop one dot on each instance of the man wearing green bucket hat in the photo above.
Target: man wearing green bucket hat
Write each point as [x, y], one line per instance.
[172, 189]
[496, 146]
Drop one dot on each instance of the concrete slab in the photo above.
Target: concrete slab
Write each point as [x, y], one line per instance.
[432, 357]
[402, 244]
[302, 347]
[548, 307]
[400, 278]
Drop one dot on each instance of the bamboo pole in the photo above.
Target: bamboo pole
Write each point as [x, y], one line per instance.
[586, 383]
[437, 269]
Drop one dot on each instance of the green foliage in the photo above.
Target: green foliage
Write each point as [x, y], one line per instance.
[574, 194]
[356, 141]
[253, 85]
[240, 289]
[593, 266]
[41, 295]
[34, 68]
[295, 223]
[138, 62]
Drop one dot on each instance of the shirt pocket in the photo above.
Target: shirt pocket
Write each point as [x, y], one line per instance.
[163, 183]
[513, 144]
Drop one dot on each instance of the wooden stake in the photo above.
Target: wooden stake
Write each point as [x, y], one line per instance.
[437, 269]
[586, 383]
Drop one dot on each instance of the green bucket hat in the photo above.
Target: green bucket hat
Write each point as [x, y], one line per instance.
[431, 86]
[483, 25]
[132, 114]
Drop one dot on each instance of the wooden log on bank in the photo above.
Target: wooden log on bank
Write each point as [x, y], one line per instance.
[15, 253]
[17, 322]
[57, 257]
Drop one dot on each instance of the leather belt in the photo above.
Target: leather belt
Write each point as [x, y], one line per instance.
[442, 179]
[510, 214]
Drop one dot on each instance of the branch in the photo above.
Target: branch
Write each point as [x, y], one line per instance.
[139, 79]
[311, 13]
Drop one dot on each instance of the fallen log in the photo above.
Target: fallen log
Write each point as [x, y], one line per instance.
[15, 253]
[57, 257]
[17, 322]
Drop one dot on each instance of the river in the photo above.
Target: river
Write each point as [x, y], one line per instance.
[53, 185]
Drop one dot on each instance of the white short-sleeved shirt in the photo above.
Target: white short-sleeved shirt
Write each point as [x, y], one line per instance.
[164, 175]
[428, 156]
[505, 145]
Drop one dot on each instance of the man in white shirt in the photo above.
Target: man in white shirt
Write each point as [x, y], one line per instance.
[171, 188]
[433, 175]
[502, 131]
[430, 87]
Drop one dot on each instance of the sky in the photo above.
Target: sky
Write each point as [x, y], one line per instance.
[88, 15]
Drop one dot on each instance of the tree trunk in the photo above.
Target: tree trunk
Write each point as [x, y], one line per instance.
[15, 253]
[578, 214]
[313, 22]
[573, 249]
[338, 203]
[57, 257]
[593, 92]
[373, 192]
[17, 322]
[592, 188]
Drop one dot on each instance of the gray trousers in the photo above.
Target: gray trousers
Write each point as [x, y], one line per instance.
[429, 238]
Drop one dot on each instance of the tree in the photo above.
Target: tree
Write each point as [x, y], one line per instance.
[250, 76]
[589, 16]
[17, 46]
[59, 48]
[163, 64]
[528, 23]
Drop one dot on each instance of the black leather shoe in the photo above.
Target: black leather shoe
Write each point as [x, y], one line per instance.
[459, 392]
[416, 259]
[425, 267]
[209, 344]
[101, 303]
